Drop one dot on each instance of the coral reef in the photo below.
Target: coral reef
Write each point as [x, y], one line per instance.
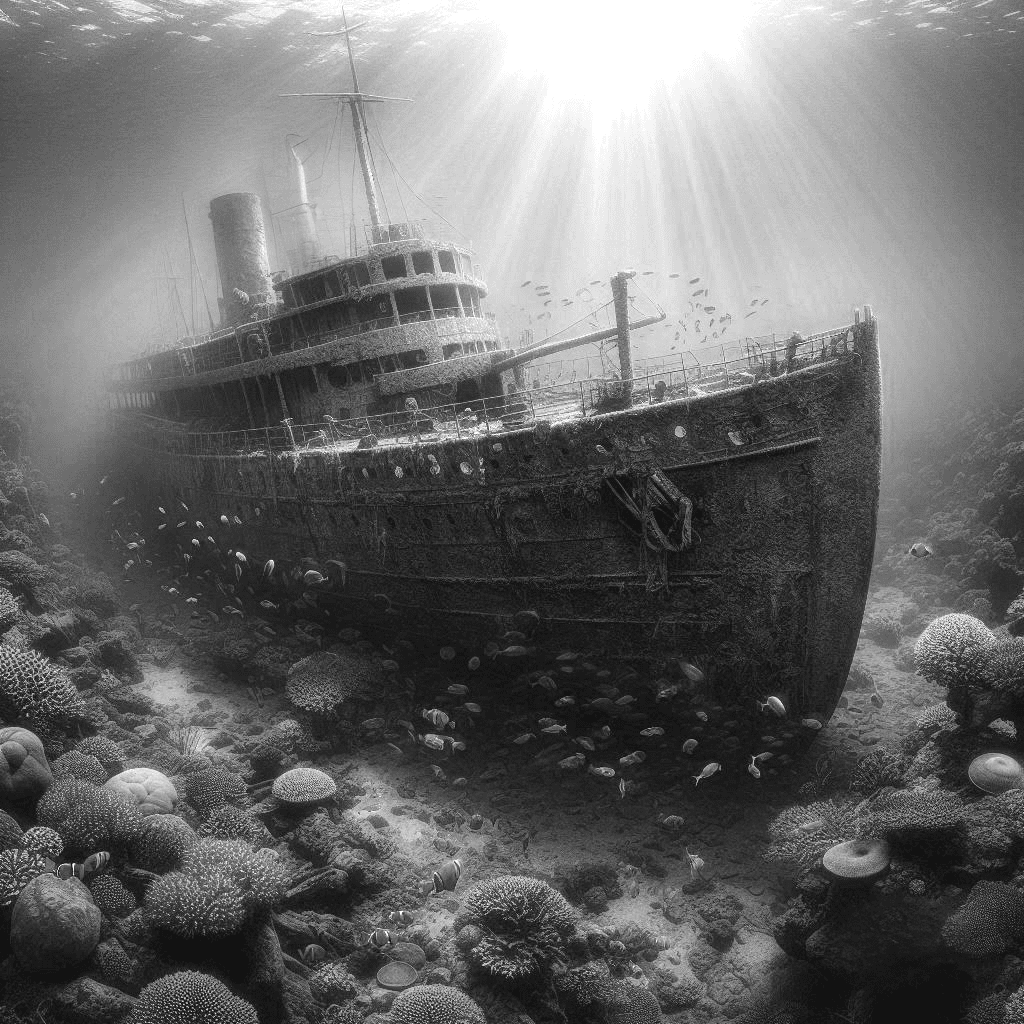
[435, 1004]
[989, 922]
[35, 689]
[190, 997]
[89, 817]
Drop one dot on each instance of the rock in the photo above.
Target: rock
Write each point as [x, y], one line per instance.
[55, 925]
[145, 732]
[86, 1001]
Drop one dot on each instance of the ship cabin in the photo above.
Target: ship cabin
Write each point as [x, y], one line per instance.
[345, 338]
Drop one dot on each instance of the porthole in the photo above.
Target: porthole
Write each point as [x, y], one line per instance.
[428, 524]
[392, 525]
[680, 431]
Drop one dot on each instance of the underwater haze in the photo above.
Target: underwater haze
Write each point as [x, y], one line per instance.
[819, 155]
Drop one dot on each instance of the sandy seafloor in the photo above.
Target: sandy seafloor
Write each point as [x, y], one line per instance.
[540, 821]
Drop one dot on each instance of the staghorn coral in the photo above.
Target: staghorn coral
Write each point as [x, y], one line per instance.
[221, 883]
[210, 788]
[76, 765]
[524, 924]
[190, 997]
[89, 817]
[34, 688]
[435, 1004]
[882, 767]
[17, 869]
[988, 923]
[110, 895]
[801, 834]
[161, 842]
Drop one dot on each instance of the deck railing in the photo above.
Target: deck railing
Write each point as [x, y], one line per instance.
[566, 400]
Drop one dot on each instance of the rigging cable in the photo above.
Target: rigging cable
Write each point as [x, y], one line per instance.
[384, 149]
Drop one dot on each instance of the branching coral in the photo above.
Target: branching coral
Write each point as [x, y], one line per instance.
[989, 922]
[323, 682]
[524, 924]
[210, 788]
[89, 817]
[34, 688]
[952, 651]
[801, 834]
[917, 816]
[435, 1004]
[229, 822]
[76, 765]
[882, 767]
[190, 997]
[105, 750]
[220, 884]
[17, 869]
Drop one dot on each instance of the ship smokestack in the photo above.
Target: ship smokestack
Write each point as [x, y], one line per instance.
[619, 296]
[307, 245]
[241, 243]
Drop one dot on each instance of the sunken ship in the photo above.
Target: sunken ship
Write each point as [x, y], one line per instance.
[357, 436]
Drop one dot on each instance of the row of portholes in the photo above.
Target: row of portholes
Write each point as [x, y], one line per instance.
[434, 467]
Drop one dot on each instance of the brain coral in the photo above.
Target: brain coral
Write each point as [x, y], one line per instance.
[152, 791]
[89, 817]
[435, 1004]
[34, 688]
[524, 923]
[323, 682]
[953, 649]
[989, 922]
[24, 771]
[190, 997]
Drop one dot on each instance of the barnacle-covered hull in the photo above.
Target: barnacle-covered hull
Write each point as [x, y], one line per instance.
[733, 529]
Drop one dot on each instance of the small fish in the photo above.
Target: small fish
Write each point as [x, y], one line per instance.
[525, 283]
[311, 577]
[702, 715]
[458, 689]
[586, 743]
[269, 606]
[524, 738]
[602, 772]
[572, 761]
[546, 721]
[622, 789]
[601, 704]
[268, 568]
[447, 653]
[753, 769]
[552, 730]
[225, 520]
[545, 682]
[433, 741]
[473, 663]
[372, 724]
[195, 542]
[631, 759]
[567, 656]
[460, 782]
[133, 546]
[162, 526]
[182, 504]
[652, 730]
[877, 699]
[673, 822]
[199, 525]
[172, 590]
[707, 771]
[241, 558]
[736, 437]
[395, 747]
[438, 771]
[178, 526]
[774, 704]
[758, 758]
[117, 501]
[238, 522]
[921, 550]
[103, 480]
[436, 717]
[472, 707]
[514, 651]
[603, 733]
[625, 700]
[446, 877]
[380, 938]
[404, 918]
[667, 691]
[810, 827]
[694, 674]
[810, 723]
[43, 519]
[565, 702]
[694, 280]
[191, 600]
[458, 745]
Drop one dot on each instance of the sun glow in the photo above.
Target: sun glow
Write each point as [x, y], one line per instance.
[612, 54]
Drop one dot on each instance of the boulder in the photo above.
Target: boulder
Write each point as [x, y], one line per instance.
[55, 925]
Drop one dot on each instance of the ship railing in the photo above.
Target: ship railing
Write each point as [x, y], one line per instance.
[523, 407]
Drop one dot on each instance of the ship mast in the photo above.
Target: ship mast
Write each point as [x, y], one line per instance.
[356, 101]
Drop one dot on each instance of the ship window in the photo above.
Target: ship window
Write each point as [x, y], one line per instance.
[447, 261]
[422, 263]
[360, 273]
[393, 267]
[451, 350]
[465, 263]
[412, 303]
[316, 289]
[446, 302]
[355, 372]
[414, 358]
[392, 525]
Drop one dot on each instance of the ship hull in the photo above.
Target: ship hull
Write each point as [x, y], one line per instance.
[448, 539]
